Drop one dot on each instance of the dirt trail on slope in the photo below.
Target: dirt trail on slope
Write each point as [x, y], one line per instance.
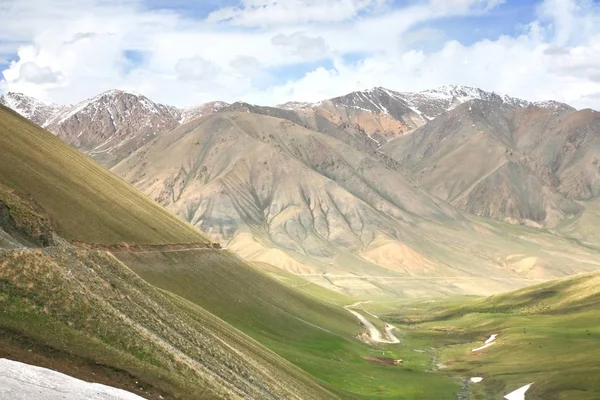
[145, 248]
[374, 333]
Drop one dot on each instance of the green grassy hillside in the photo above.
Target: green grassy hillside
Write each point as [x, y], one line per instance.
[83, 200]
[313, 332]
[547, 334]
[85, 313]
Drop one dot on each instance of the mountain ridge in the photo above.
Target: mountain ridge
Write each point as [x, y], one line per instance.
[540, 160]
[115, 123]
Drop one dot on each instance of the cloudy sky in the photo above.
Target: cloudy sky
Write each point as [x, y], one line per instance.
[271, 51]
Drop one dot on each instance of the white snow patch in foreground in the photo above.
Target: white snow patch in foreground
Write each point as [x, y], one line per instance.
[518, 394]
[20, 381]
[491, 338]
[485, 346]
[476, 379]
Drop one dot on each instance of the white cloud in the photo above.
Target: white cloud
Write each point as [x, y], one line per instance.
[196, 68]
[291, 12]
[65, 56]
[304, 46]
[31, 72]
[462, 6]
[245, 64]
[571, 21]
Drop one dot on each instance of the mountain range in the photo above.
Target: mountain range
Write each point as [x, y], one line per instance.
[371, 192]
[100, 282]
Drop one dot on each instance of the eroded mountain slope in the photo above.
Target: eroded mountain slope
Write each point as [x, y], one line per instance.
[279, 193]
[520, 164]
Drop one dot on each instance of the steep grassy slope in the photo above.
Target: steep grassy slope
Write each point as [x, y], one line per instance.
[84, 312]
[85, 307]
[547, 334]
[83, 200]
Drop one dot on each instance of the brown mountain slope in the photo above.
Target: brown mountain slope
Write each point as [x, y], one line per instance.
[510, 163]
[258, 167]
[569, 147]
[279, 193]
[112, 124]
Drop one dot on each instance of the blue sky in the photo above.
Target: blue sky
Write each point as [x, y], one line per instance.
[271, 51]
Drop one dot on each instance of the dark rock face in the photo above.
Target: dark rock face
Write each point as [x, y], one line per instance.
[20, 233]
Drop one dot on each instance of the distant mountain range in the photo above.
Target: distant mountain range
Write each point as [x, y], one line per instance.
[361, 191]
[109, 126]
[99, 282]
[115, 123]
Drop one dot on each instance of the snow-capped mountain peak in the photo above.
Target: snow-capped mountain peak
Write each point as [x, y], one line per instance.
[190, 113]
[35, 110]
[554, 105]
[123, 100]
[113, 123]
[434, 102]
[295, 105]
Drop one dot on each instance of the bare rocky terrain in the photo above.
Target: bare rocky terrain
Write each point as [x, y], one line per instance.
[112, 124]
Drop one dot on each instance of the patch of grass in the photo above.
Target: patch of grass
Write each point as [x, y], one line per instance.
[82, 199]
[548, 334]
[302, 285]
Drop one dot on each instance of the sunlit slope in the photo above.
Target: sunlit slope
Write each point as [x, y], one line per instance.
[85, 313]
[520, 164]
[84, 201]
[572, 294]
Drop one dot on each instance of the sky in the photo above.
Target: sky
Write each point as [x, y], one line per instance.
[272, 51]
